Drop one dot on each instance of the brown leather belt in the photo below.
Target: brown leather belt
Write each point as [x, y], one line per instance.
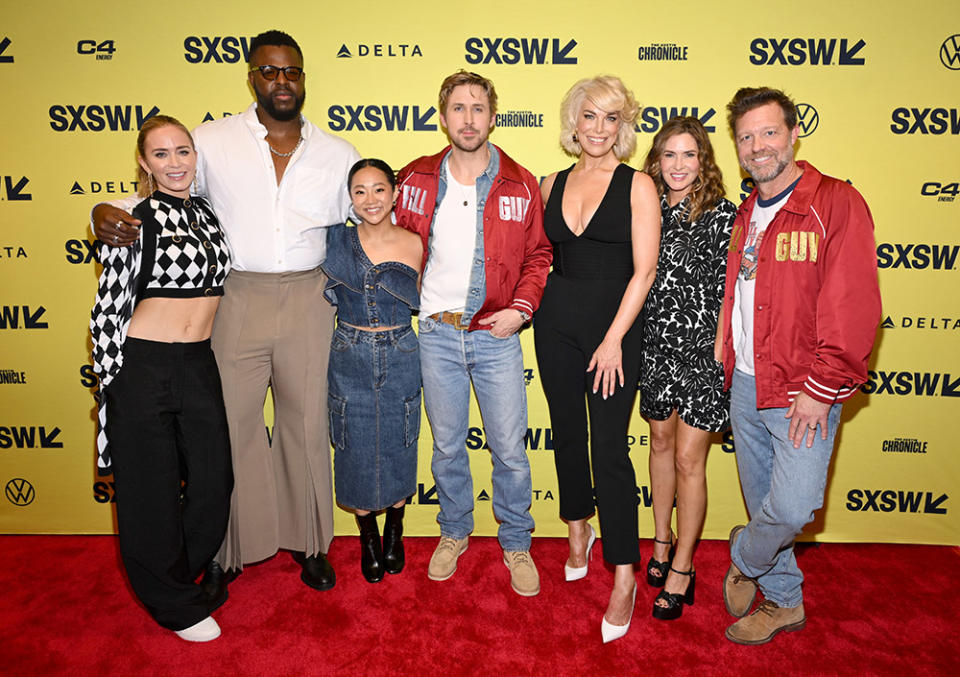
[453, 319]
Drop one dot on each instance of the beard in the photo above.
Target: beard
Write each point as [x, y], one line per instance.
[469, 146]
[265, 102]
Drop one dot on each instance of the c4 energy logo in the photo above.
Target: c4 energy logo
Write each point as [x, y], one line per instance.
[921, 384]
[12, 189]
[20, 492]
[103, 49]
[29, 437]
[4, 57]
[379, 50]
[373, 118]
[11, 317]
[99, 118]
[925, 121]
[653, 117]
[808, 119]
[936, 323]
[917, 256]
[944, 192]
[13, 377]
[950, 52]
[528, 51]
[219, 49]
[891, 500]
[803, 51]
[662, 51]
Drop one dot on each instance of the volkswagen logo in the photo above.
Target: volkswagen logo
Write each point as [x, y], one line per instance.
[807, 118]
[950, 52]
[20, 492]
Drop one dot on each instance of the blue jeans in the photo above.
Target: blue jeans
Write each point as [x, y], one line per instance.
[449, 360]
[782, 486]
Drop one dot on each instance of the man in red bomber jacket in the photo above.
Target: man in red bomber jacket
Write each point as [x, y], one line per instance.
[801, 308]
[481, 219]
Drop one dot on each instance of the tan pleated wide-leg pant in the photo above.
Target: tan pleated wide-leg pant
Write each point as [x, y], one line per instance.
[274, 330]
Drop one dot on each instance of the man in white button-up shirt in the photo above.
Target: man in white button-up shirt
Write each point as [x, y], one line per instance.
[276, 181]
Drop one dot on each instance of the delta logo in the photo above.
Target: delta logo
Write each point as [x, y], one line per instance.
[935, 121]
[22, 317]
[933, 323]
[918, 383]
[949, 52]
[12, 252]
[104, 187]
[896, 500]
[12, 189]
[216, 49]
[806, 51]
[653, 117]
[527, 51]
[944, 192]
[80, 251]
[917, 256]
[29, 437]
[389, 50]
[374, 118]
[99, 117]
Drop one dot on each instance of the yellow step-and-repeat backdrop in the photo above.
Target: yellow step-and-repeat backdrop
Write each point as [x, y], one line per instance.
[879, 91]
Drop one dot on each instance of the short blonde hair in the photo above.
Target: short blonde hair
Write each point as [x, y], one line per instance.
[608, 93]
[462, 77]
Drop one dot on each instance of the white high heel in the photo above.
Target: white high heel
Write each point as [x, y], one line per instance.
[576, 573]
[609, 631]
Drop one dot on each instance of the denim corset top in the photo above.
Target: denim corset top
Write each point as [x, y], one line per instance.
[367, 294]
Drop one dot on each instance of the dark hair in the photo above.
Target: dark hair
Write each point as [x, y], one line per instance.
[144, 182]
[272, 39]
[708, 188]
[462, 77]
[376, 164]
[748, 98]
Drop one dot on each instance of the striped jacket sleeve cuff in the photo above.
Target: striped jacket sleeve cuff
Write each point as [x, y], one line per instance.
[824, 393]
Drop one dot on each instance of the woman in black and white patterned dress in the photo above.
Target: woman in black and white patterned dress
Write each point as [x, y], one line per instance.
[681, 377]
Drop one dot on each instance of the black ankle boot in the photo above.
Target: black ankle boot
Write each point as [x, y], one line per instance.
[371, 552]
[393, 558]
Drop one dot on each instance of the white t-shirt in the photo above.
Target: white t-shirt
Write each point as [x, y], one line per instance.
[743, 305]
[446, 280]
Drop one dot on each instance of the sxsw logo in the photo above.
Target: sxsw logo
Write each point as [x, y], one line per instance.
[802, 51]
[113, 187]
[379, 50]
[29, 437]
[12, 252]
[746, 187]
[104, 49]
[13, 377]
[20, 492]
[925, 121]
[534, 440]
[889, 500]
[4, 57]
[944, 192]
[99, 118]
[88, 378]
[104, 492]
[80, 251]
[652, 117]
[373, 118]
[14, 192]
[808, 119]
[916, 322]
[904, 445]
[922, 384]
[527, 51]
[225, 49]
[949, 52]
[11, 317]
[917, 256]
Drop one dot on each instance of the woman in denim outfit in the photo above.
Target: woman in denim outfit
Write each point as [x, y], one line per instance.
[374, 373]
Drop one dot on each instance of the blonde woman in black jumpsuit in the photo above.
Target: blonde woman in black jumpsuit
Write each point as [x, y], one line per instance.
[603, 219]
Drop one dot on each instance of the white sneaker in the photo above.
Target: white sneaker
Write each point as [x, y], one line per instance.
[204, 631]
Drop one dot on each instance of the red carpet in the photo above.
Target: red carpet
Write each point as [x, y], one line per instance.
[65, 609]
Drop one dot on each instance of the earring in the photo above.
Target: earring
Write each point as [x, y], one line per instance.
[150, 183]
[575, 139]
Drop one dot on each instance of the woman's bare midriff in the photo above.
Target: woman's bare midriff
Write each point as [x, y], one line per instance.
[170, 320]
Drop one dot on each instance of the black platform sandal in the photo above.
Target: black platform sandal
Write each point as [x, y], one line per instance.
[656, 565]
[675, 600]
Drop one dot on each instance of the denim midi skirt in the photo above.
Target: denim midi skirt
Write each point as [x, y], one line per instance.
[374, 408]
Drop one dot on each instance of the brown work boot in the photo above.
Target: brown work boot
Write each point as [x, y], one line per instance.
[766, 621]
[739, 591]
[444, 560]
[524, 578]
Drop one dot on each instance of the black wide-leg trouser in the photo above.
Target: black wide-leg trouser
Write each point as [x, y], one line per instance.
[168, 436]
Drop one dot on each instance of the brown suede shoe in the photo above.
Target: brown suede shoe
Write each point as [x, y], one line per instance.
[768, 619]
[739, 591]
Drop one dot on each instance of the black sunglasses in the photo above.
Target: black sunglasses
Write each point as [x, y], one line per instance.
[292, 73]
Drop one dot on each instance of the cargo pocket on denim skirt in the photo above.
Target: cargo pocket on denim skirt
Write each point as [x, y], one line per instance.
[411, 420]
[337, 408]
